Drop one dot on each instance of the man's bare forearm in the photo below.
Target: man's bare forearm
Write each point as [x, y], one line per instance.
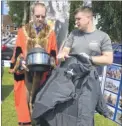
[102, 60]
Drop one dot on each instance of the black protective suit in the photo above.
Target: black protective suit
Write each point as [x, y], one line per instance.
[70, 95]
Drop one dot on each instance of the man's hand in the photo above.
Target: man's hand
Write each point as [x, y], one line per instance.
[37, 45]
[63, 54]
[23, 64]
[85, 55]
[11, 71]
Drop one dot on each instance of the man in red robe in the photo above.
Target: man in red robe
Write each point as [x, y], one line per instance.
[34, 34]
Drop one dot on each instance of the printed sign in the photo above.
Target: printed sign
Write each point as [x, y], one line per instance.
[113, 92]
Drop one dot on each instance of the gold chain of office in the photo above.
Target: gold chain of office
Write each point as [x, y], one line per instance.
[33, 38]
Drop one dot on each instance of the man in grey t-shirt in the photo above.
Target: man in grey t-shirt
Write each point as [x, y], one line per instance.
[94, 45]
[87, 41]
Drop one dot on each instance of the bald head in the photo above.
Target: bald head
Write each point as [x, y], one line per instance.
[38, 5]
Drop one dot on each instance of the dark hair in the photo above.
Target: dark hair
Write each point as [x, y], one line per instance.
[38, 4]
[85, 9]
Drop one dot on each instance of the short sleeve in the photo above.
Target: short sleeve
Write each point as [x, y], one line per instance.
[69, 40]
[106, 44]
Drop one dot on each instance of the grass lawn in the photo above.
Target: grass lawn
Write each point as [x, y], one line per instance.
[8, 111]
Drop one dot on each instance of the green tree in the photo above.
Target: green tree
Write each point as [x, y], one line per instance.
[110, 19]
[73, 6]
[17, 10]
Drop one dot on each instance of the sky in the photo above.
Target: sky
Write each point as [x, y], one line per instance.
[5, 8]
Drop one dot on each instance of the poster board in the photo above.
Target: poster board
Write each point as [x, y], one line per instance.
[112, 91]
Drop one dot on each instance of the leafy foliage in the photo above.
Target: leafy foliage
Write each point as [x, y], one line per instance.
[16, 11]
[110, 19]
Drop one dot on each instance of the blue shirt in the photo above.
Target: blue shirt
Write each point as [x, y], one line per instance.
[38, 29]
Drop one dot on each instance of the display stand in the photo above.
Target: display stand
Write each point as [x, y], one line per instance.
[111, 86]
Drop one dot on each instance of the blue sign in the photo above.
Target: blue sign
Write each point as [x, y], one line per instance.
[113, 92]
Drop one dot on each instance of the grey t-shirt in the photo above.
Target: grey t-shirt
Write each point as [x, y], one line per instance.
[93, 43]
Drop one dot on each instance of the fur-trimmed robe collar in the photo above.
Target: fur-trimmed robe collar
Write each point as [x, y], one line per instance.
[33, 38]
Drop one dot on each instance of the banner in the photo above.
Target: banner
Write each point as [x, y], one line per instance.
[58, 18]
